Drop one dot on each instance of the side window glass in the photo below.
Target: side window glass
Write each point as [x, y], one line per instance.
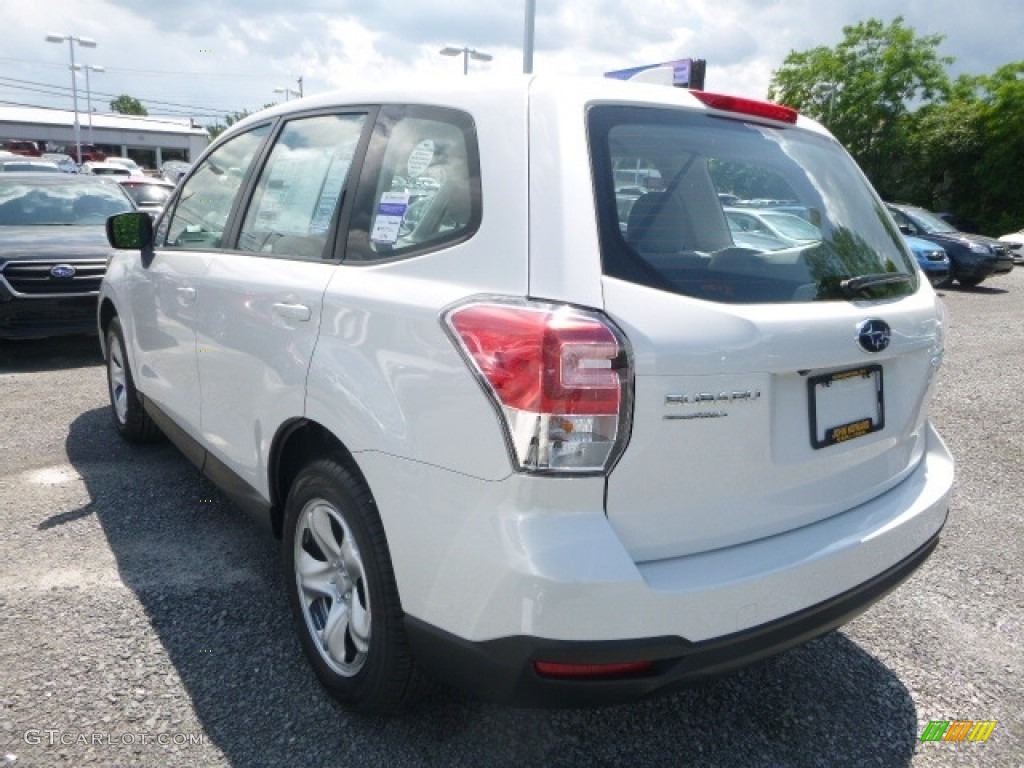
[905, 225]
[208, 195]
[301, 187]
[427, 193]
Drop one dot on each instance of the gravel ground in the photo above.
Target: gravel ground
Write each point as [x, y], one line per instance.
[143, 620]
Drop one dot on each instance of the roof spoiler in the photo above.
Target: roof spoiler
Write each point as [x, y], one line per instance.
[663, 75]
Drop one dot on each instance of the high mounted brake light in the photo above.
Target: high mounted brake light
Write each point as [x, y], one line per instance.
[559, 377]
[751, 107]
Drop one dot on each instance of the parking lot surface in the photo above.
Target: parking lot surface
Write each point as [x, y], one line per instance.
[143, 620]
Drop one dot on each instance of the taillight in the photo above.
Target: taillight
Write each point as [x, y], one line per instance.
[751, 107]
[559, 376]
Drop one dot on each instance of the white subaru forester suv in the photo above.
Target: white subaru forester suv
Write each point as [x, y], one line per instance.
[527, 414]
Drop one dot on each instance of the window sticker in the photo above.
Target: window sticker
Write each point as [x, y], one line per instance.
[284, 183]
[300, 196]
[331, 190]
[390, 211]
[420, 158]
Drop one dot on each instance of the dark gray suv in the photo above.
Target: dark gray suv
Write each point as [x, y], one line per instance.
[972, 257]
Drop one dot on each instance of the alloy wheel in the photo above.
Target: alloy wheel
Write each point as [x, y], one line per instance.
[332, 589]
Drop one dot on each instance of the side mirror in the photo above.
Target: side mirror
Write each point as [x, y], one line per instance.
[906, 229]
[131, 231]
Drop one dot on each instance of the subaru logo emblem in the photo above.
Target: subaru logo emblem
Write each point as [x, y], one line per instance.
[61, 271]
[873, 335]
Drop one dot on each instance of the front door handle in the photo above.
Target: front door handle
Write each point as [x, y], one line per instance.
[293, 311]
[187, 295]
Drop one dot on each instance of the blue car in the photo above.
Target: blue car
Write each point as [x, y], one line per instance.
[932, 258]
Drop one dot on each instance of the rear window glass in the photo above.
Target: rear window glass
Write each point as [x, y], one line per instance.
[149, 194]
[734, 212]
[13, 167]
[110, 171]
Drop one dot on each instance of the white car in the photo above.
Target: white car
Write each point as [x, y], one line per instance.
[65, 162]
[506, 439]
[134, 168]
[788, 228]
[19, 164]
[1016, 244]
[149, 194]
[174, 170]
[105, 168]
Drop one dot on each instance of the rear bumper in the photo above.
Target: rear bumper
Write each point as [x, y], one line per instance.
[1003, 266]
[972, 266]
[530, 569]
[502, 670]
[936, 273]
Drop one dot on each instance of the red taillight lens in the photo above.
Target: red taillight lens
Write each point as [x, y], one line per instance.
[580, 671]
[541, 361]
[558, 375]
[751, 107]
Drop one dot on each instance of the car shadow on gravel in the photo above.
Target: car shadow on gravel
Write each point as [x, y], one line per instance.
[210, 584]
[984, 288]
[31, 355]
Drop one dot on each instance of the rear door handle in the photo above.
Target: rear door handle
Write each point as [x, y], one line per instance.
[293, 311]
[187, 295]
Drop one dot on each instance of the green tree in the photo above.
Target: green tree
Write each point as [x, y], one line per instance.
[863, 90]
[128, 105]
[216, 129]
[946, 139]
[998, 173]
[969, 151]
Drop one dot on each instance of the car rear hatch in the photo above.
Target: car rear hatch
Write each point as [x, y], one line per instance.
[749, 421]
[774, 385]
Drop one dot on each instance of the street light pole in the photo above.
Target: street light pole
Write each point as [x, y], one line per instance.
[826, 89]
[88, 89]
[832, 101]
[467, 54]
[531, 12]
[287, 92]
[85, 42]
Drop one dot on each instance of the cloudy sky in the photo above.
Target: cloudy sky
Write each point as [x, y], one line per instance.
[203, 58]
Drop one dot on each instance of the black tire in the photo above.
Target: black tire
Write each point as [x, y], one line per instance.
[970, 282]
[130, 418]
[338, 572]
[946, 282]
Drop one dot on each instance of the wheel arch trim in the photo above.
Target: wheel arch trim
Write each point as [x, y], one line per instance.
[296, 443]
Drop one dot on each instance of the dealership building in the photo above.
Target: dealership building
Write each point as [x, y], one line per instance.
[149, 141]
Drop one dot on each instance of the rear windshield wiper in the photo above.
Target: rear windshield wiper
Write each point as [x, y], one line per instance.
[852, 286]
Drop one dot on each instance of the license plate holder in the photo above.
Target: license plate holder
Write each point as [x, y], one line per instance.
[844, 405]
